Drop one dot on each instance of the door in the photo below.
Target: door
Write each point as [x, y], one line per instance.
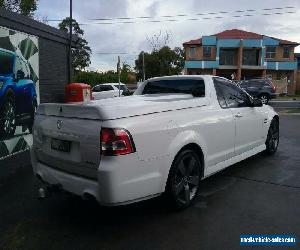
[248, 120]
[223, 130]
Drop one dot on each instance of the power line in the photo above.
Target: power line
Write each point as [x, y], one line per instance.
[190, 19]
[185, 15]
[181, 15]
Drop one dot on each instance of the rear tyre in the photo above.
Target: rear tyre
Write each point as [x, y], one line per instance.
[8, 117]
[264, 98]
[272, 138]
[184, 179]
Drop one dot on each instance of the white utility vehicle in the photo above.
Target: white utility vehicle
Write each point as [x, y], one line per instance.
[108, 90]
[172, 133]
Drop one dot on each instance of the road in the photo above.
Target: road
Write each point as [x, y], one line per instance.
[259, 195]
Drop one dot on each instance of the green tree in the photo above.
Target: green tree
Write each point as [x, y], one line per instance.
[161, 62]
[24, 7]
[81, 54]
[92, 78]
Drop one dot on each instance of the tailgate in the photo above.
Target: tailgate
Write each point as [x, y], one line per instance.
[68, 141]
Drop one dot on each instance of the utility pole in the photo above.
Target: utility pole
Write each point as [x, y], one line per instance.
[119, 75]
[144, 66]
[70, 43]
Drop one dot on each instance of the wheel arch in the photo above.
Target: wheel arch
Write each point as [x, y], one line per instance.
[197, 149]
[192, 146]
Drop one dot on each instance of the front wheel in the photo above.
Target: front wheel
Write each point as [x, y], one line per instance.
[184, 179]
[273, 137]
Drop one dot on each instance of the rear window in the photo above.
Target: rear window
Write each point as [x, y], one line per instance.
[184, 86]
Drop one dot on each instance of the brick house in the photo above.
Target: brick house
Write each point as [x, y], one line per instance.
[243, 55]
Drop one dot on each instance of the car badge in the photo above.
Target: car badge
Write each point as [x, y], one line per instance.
[59, 124]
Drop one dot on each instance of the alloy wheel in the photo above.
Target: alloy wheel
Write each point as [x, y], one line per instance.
[273, 136]
[186, 179]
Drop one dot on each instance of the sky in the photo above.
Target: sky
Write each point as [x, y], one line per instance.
[132, 38]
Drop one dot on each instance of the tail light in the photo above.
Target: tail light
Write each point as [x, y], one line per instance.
[116, 141]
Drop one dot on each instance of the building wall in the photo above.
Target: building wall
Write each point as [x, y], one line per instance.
[53, 70]
[52, 63]
[53, 53]
[199, 53]
[279, 55]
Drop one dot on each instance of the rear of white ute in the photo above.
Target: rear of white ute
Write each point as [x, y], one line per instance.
[74, 149]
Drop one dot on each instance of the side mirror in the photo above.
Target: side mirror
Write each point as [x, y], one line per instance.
[257, 103]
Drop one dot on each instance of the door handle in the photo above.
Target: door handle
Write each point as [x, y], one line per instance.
[238, 115]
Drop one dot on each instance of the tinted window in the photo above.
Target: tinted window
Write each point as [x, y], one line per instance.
[244, 84]
[96, 89]
[230, 94]
[6, 63]
[256, 84]
[219, 91]
[106, 87]
[185, 86]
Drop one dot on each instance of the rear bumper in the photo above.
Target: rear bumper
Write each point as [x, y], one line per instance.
[273, 95]
[119, 181]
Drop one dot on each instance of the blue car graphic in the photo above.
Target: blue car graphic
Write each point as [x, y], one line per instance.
[18, 99]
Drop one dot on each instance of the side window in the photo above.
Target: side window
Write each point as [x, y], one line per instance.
[96, 89]
[235, 97]
[220, 92]
[232, 95]
[183, 86]
[106, 88]
[244, 84]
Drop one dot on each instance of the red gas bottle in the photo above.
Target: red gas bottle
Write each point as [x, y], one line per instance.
[78, 92]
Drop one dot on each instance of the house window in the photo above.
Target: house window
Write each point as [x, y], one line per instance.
[206, 51]
[192, 53]
[270, 52]
[286, 52]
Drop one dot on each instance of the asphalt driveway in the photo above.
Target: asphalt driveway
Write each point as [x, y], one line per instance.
[259, 195]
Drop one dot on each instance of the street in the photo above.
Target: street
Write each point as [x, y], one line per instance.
[260, 195]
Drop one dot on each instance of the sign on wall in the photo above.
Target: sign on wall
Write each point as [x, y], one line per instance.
[19, 89]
